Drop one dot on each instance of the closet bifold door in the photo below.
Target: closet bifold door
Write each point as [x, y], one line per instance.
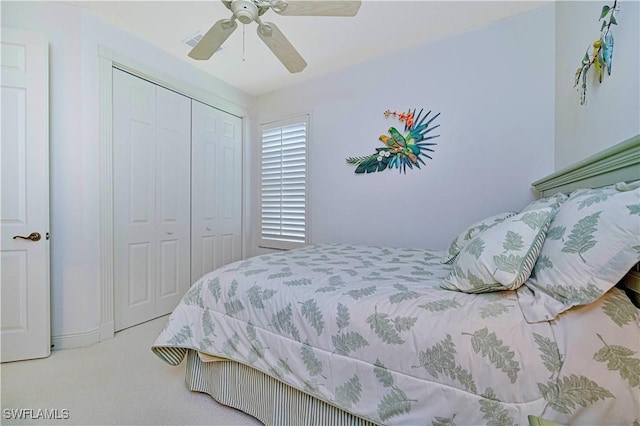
[216, 197]
[151, 169]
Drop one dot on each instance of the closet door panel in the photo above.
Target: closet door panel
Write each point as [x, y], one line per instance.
[169, 282]
[140, 273]
[229, 186]
[205, 253]
[140, 175]
[230, 247]
[173, 209]
[208, 253]
[134, 174]
[207, 180]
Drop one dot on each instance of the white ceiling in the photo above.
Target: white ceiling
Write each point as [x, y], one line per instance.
[326, 43]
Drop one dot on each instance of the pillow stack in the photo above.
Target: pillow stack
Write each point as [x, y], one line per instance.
[558, 252]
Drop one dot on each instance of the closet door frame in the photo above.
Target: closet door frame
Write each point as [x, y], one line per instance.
[107, 60]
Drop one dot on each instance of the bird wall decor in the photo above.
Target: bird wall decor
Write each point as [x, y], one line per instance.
[401, 151]
[599, 53]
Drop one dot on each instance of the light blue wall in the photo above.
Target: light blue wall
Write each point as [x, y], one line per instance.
[494, 87]
[612, 112]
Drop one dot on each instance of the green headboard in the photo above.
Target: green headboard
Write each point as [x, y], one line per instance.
[619, 163]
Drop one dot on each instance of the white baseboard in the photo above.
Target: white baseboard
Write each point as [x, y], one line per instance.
[70, 341]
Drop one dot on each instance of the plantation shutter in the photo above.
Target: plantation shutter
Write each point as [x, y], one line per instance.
[284, 183]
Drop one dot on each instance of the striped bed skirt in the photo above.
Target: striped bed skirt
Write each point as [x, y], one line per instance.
[261, 396]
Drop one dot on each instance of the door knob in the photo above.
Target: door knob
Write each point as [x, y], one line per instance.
[34, 236]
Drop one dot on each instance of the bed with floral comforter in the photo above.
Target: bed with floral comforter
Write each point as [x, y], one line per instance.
[372, 331]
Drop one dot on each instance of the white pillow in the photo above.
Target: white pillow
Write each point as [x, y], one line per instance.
[471, 231]
[592, 242]
[501, 257]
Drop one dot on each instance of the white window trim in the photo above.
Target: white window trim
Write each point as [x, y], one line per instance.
[273, 243]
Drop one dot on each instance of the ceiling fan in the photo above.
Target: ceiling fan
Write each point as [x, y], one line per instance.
[248, 11]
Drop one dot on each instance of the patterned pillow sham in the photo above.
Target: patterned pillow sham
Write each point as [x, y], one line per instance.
[501, 257]
[552, 201]
[592, 242]
[464, 237]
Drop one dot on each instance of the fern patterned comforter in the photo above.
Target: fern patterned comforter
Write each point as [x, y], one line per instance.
[371, 331]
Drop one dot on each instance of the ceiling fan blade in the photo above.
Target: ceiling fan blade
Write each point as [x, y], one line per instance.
[213, 39]
[281, 47]
[317, 7]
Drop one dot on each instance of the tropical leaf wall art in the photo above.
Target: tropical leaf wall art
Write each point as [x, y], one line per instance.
[401, 151]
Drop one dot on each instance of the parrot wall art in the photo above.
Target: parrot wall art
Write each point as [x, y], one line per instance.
[601, 53]
[401, 150]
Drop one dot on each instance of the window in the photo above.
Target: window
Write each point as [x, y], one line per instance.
[284, 183]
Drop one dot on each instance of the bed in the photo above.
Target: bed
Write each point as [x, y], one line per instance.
[519, 321]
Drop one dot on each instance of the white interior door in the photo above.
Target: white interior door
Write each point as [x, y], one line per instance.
[25, 318]
[151, 156]
[134, 194]
[216, 199]
[229, 185]
[173, 198]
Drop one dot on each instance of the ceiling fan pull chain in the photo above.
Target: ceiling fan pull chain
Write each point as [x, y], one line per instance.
[243, 43]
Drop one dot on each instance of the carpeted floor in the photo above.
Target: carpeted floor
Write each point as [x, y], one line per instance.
[116, 382]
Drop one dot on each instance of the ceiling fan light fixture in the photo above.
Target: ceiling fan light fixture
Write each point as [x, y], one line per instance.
[245, 11]
[248, 11]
